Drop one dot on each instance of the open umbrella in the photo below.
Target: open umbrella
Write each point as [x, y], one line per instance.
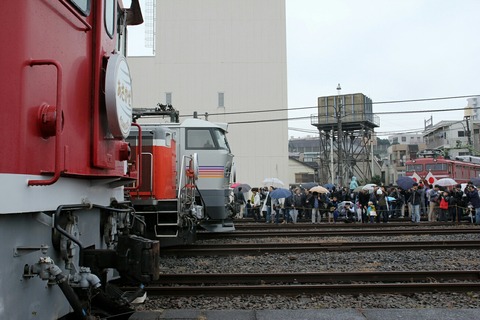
[280, 193]
[405, 182]
[476, 181]
[329, 186]
[277, 183]
[358, 189]
[319, 189]
[446, 182]
[308, 185]
[369, 186]
[245, 187]
[343, 203]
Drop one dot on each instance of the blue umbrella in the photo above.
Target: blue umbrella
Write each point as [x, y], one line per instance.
[405, 182]
[329, 186]
[280, 193]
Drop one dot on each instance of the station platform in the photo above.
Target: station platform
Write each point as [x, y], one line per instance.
[308, 314]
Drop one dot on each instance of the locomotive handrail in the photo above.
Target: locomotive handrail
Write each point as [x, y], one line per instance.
[88, 27]
[139, 164]
[58, 122]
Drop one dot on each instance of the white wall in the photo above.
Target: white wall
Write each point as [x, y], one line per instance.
[233, 46]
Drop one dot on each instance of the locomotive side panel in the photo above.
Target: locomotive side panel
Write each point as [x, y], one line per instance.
[48, 62]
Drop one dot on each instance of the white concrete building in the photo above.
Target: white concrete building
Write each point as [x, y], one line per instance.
[226, 58]
[406, 139]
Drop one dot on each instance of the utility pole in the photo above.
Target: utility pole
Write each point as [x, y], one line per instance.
[468, 133]
[338, 108]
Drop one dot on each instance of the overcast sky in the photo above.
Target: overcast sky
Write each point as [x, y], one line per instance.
[389, 50]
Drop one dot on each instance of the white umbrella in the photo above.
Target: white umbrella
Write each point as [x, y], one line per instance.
[369, 186]
[319, 189]
[277, 183]
[446, 182]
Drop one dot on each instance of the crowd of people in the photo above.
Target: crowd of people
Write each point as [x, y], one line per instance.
[369, 205]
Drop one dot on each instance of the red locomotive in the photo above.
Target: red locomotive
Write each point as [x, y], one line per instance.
[67, 109]
[430, 166]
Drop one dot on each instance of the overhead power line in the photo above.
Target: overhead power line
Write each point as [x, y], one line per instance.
[316, 107]
[333, 117]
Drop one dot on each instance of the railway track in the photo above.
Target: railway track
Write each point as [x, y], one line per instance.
[262, 248]
[309, 232]
[249, 225]
[314, 283]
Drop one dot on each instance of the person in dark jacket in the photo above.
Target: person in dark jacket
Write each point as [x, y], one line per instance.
[459, 203]
[414, 198]
[307, 203]
[363, 198]
[472, 197]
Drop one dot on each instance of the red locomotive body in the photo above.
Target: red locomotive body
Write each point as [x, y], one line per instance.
[67, 109]
[54, 73]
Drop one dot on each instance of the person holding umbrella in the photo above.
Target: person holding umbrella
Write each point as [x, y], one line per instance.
[240, 199]
[363, 198]
[316, 207]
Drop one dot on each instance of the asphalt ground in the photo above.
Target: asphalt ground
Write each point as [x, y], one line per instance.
[305, 314]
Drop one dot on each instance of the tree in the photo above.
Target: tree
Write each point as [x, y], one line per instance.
[377, 180]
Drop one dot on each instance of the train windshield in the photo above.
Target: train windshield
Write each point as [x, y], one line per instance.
[221, 139]
[206, 138]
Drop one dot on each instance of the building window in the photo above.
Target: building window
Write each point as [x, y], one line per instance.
[404, 139]
[461, 133]
[221, 100]
[168, 98]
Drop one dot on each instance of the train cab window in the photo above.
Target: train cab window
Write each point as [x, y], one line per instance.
[414, 167]
[199, 139]
[110, 17]
[82, 5]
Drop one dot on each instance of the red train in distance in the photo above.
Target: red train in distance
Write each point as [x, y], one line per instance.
[431, 166]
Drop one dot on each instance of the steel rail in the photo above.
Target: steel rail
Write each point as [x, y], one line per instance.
[315, 283]
[262, 248]
[313, 289]
[333, 233]
[317, 277]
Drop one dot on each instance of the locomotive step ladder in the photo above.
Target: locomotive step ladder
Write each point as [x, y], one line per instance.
[164, 218]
